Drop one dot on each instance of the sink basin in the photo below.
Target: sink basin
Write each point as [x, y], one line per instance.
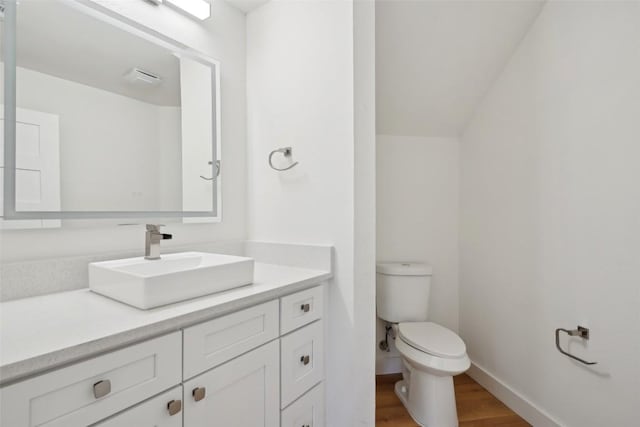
[175, 277]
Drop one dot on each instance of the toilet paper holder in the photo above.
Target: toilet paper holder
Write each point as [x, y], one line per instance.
[581, 332]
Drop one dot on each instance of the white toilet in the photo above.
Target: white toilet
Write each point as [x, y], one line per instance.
[431, 354]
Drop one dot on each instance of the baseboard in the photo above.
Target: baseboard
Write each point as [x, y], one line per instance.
[519, 404]
[388, 365]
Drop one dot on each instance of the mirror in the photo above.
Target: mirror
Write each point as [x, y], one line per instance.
[110, 120]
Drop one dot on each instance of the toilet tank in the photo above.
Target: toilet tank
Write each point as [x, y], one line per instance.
[403, 291]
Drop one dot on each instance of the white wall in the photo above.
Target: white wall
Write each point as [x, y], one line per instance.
[300, 85]
[417, 207]
[550, 208]
[364, 47]
[89, 137]
[170, 180]
[221, 37]
[197, 134]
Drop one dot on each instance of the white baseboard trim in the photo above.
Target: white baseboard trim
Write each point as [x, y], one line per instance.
[389, 365]
[533, 414]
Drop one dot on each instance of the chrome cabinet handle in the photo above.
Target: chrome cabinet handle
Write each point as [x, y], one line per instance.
[174, 407]
[305, 359]
[199, 393]
[305, 307]
[581, 332]
[101, 388]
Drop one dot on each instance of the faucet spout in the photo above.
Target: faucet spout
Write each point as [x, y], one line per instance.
[153, 237]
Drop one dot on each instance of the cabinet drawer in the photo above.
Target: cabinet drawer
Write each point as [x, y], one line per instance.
[164, 410]
[212, 343]
[299, 309]
[308, 411]
[242, 392]
[92, 390]
[301, 361]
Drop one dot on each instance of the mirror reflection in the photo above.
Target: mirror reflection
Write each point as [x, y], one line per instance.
[109, 119]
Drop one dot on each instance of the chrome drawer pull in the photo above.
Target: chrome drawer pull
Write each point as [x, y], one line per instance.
[199, 393]
[305, 359]
[101, 388]
[305, 307]
[174, 407]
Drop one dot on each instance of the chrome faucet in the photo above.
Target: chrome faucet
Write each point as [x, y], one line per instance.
[152, 241]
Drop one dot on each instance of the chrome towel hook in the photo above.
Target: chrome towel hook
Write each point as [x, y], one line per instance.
[287, 151]
[581, 332]
[217, 171]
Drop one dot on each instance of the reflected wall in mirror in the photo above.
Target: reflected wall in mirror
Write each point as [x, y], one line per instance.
[109, 118]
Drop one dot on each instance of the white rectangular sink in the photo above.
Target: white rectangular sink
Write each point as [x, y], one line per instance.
[175, 277]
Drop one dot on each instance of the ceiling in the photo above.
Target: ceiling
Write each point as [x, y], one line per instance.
[436, 59]
[246, 5]
[56, 39]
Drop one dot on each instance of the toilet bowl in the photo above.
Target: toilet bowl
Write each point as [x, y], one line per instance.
[431, 354]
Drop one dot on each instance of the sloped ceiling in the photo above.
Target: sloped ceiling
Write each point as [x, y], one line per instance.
[246, 6]
[436, 59]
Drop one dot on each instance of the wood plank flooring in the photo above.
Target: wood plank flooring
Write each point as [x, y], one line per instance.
[476, 406]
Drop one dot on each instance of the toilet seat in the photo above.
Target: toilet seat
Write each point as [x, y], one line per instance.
[432, 338]
[440, 366]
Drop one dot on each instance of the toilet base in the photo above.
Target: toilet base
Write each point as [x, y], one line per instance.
[430, 400]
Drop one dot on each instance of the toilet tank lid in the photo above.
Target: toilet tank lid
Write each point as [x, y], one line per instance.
[404, 269]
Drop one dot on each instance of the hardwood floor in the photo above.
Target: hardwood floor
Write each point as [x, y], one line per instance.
[476, 406]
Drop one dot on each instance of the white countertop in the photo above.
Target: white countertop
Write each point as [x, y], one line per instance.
[44, 332]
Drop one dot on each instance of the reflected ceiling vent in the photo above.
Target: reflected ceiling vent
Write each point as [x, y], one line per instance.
[142, 77]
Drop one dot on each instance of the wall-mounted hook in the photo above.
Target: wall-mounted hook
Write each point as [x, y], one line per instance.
[287, 151]
[217, 171]
[581, 332]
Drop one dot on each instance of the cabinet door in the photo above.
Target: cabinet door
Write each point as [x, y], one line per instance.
[164, 410]
[244, 392]
[308, 411]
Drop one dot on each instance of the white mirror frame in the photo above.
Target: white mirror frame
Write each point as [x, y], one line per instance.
[90, 8]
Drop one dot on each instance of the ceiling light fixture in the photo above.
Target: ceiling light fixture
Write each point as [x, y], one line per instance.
[201, 9]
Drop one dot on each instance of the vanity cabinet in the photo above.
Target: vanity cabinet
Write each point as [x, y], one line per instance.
[302, 361]
[308, 411]
[261, 366]
[300, 309]
[164, 410]
[242, 392]
[89, 391]
[212, 343]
